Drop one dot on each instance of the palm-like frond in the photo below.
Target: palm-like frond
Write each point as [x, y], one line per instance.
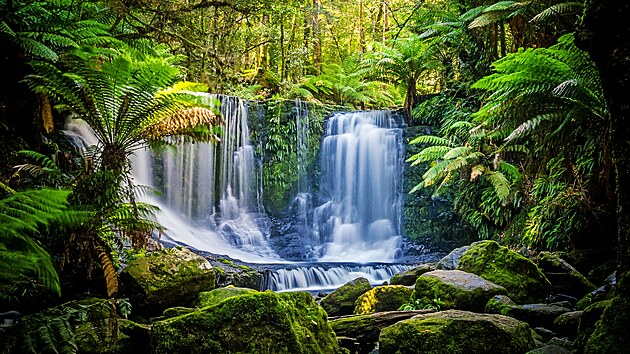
[22, 216]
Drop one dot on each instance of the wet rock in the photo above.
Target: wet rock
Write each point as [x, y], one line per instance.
[604, 292]
[167, 278]
[523, 280]
[454, 289]
[544, 333]
[564, 278]
[566, 325]
[455, 331]
[537, 315]
[341, 301]
[253, 323]
[383, 298]
[409, 277]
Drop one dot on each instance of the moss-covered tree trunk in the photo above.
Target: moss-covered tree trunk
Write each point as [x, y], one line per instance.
[605, 34]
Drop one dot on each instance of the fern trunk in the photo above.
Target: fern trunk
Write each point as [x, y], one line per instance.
[411, 99]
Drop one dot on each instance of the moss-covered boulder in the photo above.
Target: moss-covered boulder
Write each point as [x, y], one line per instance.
[383, 298]
[590, 316]
[167, 278]
[455, 331]
[215, 296]
[255, 323]
[611, 331]
[235, 273]
[522, 279]
[454, 289]
[566, 325]
[409, 277]
[341, 301]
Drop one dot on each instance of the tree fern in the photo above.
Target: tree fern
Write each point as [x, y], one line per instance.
[22, 216]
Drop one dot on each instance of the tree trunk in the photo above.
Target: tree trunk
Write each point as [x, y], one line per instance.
[410, 101]
[361, 43]
[384, 19]
[606, 36]
[317, 51]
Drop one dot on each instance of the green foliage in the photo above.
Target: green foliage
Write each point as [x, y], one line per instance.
[23, 216]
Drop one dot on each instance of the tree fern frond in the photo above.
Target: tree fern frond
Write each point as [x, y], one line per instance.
[431, 140]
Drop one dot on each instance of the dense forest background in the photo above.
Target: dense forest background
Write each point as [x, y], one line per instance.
[524, 97]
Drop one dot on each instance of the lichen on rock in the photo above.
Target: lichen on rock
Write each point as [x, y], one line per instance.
[383, 298]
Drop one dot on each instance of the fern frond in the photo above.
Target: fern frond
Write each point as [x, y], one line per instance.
[500, 184]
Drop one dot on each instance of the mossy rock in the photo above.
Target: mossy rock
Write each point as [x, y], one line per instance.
[215, 296]
[566, 325]
[341, 301]
[254, 323]
[454, 289]
[456, 331]
[590, 316]
[383, 298]
[409, 277]
[166, 279]
[176, 311]
[611, 331]
[564, 278]
[499, 304]
[133, 338]
[523, 280]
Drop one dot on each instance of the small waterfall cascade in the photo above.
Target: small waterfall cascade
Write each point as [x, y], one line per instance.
[327, 277]
[359, 219]
[212, 189]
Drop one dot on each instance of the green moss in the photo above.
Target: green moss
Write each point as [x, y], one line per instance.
[225, 261]
[383, 298]
[341, 301]
[522, 279]
[244, 267]
[213, 297]
[455, 290]
[456, 331]
[500, 304]
[177, 311]
[255, 323]
[410, 276]
[611, 331]
[167, 278]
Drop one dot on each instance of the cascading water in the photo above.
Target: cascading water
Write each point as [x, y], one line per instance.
[212, 199]
[359, 220]
[211, 196]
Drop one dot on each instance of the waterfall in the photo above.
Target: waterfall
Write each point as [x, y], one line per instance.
[316, 277]
[211, 197]
[359, 219]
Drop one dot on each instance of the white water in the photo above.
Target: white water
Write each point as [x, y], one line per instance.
[360, 221]
[314, 278]
[211, 196]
